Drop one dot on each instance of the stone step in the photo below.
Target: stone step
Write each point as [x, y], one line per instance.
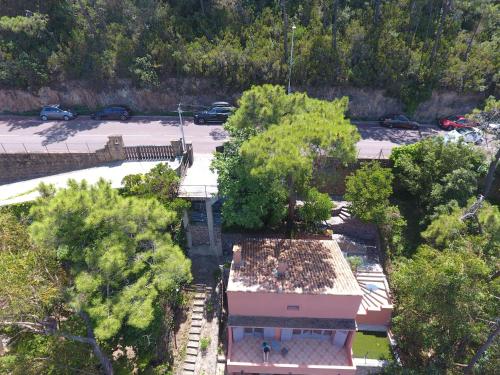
[189, 366]
[200, 296]
[198, 309]
[199, 303]
[197, 316]
[195, 331]
[194, 338]
[190, 359]
[196, 323]
[188, 372]
[191, 351]
[193, 344]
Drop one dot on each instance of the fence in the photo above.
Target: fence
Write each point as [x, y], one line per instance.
[53, 148]
[380, 154]
[198, 191]
[150, 152]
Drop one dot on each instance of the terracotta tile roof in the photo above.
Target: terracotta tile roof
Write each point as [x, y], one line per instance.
[312, 267]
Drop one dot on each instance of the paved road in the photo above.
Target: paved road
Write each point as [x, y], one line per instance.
[20, 134]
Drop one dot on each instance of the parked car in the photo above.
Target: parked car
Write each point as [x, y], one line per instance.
[468, 135]
[493, 128]
[455, 122]
[112, 113]
[398, 121]
[213, 115]
[220, 104]
[55, 112]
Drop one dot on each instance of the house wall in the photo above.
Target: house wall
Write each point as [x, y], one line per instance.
[311, 306]
[382, 317]
[236, 369]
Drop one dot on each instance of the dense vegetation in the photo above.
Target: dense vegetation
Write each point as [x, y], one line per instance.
[93, 282]
[404, 46]
[442, 252]
[268, 164]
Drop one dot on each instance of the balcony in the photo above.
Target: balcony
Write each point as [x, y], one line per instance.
[303, 356]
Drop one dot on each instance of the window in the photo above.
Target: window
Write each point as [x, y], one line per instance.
[297, 331]
[256, 332]
[293, 307]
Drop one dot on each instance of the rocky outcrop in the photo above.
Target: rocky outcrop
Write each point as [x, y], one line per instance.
[365, 103]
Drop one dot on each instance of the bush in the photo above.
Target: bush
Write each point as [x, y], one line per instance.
[204, 344]
[317, 207]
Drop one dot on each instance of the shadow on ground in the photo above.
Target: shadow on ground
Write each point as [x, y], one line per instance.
[396, 136]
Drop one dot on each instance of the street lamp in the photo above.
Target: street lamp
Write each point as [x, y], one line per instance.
[182, 128]
[291, 62]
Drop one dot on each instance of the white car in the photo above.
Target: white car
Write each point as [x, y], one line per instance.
[468, 135]
[494, 128]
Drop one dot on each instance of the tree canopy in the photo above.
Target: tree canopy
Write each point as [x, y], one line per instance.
[103, 264]
[445, 44]
[445, 301]
[268, 163]
[433, 172]
[115, 249]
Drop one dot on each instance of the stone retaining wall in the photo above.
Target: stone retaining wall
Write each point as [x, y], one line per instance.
[363, 102]
[22, 166]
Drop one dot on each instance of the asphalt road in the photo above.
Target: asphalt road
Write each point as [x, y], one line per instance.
[22, 134]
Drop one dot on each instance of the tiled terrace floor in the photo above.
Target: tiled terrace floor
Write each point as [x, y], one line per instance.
[300, 352]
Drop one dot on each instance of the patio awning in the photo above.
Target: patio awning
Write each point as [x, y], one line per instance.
[282, 322]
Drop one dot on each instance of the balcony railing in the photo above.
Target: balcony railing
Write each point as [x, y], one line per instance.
[297, 355]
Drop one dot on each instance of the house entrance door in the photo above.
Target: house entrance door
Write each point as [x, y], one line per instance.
[339, 339]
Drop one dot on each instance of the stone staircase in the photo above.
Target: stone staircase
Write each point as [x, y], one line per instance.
[202, 292]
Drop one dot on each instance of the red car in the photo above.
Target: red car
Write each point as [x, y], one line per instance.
[454, 122]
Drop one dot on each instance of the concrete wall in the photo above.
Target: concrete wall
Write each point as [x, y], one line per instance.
[23, 166]
[375, 318]
[15, 167]
[329, 174]
[364, 102]
[200, 236]
[311, 306]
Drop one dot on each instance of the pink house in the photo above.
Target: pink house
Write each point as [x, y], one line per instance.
[292, 308]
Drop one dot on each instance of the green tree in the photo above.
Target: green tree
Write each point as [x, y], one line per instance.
[433, 173]
[32, 314]
[268, 162]
[369, 189]
[161, 182]
[285, 153]
[480, 233]
[490, 114]
[316, 208]
[118, 257]
[444, 301]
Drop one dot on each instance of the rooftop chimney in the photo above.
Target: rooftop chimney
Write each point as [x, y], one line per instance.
[237, 255]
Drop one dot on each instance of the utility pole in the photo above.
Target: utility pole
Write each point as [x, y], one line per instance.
[179, 110]
[291, 62]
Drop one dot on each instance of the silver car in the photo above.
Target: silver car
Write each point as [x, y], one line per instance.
[53, 112]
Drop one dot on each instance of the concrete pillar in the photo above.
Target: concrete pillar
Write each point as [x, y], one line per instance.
[115, 147]
[185, 223]
[177, 146]
[210, 224]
